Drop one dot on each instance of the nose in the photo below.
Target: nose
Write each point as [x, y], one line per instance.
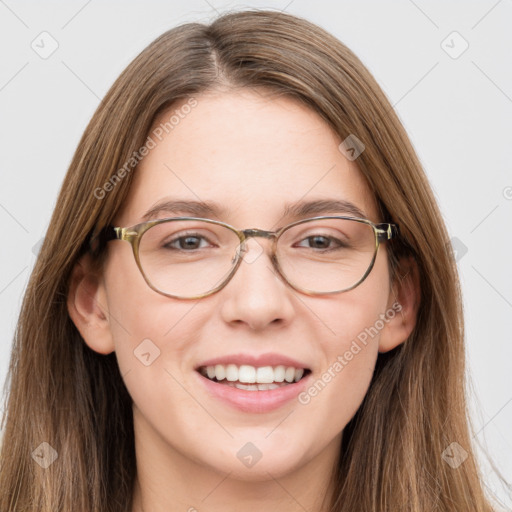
[256, 295]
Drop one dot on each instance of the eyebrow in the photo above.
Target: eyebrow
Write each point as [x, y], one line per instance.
[210, 209]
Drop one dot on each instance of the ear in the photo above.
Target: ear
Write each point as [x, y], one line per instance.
[87, 306]
[404, 300]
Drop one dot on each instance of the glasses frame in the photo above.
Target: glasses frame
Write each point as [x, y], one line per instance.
[132, 234]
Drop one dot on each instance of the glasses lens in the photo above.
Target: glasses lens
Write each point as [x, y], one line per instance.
[326, 255]
[187, 258]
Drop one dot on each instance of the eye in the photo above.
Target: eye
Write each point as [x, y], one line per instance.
[188, 242]
[323, 242]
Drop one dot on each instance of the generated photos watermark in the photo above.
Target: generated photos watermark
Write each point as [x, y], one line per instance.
[158, 133]
[342, 360]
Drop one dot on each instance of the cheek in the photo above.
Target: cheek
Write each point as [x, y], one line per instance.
[349, 350]
[335, 393]
[152, 335]
[150, 331]
[338, 388]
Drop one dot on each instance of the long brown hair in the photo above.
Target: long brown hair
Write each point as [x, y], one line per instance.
[66, 395]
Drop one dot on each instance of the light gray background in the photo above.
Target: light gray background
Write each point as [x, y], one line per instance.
[457, 111]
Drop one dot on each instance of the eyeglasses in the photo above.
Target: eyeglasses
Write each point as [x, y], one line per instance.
[191, 258]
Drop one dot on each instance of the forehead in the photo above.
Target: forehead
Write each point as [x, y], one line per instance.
[252, 154]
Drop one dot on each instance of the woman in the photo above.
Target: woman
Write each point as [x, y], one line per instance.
[284, 325]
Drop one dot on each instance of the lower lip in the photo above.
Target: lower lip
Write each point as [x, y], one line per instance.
[254, 401]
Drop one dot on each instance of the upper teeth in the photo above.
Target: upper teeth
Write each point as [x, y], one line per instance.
[251, 374]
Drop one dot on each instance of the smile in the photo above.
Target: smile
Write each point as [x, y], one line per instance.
[253, 384]
[252, 378]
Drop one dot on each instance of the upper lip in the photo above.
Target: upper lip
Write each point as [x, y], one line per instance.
[269, 359]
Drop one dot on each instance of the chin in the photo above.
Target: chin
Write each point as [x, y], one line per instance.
[250, 461]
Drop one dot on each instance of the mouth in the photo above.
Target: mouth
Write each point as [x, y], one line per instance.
[253, 378]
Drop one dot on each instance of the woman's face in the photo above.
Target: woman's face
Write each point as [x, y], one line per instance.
[251, 155]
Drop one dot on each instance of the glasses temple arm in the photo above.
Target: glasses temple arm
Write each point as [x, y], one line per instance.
[100, 239]
[386, 231]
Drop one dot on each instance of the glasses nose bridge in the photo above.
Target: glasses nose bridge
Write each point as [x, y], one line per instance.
[246, 234]
[254, 232]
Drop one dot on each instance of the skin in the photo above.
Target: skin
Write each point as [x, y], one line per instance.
[251, 154]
